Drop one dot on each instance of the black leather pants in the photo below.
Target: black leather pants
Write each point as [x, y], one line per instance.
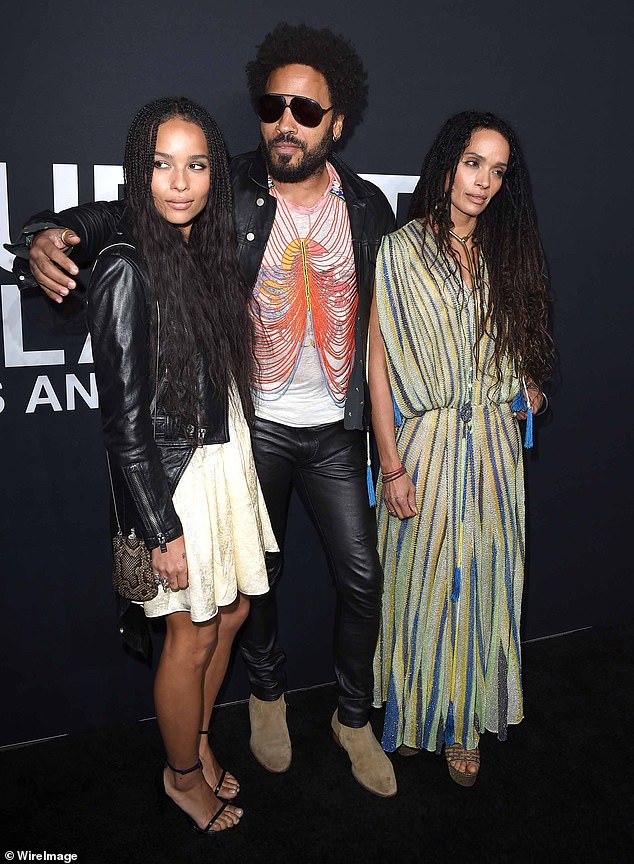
[327, 467]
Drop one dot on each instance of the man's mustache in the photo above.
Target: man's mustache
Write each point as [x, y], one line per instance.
[286, 138]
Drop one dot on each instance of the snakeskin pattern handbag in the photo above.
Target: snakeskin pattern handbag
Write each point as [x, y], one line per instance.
[133, 576]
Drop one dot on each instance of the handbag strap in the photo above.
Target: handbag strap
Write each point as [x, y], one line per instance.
[114, 499]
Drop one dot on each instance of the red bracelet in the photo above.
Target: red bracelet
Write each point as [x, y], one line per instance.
[387, 473]
[394, 475]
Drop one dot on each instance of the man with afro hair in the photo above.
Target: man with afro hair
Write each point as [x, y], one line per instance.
[308, 231]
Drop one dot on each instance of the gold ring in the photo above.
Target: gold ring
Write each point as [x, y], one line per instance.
[64, 232]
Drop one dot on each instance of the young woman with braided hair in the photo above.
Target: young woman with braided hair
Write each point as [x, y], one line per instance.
[459, 326]
[171, 338]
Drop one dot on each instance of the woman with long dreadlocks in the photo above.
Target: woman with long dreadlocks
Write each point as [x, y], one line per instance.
[172, 350]
[458, 329]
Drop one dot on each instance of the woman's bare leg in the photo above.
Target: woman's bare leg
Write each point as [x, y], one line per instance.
[231, 618]
[178, 696]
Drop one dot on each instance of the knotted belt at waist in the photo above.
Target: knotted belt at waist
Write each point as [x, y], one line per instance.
[465, 410]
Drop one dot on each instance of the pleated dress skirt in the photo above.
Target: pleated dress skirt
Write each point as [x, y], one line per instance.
[225, 524]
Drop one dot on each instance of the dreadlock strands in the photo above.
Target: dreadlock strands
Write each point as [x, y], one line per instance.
[514, 302]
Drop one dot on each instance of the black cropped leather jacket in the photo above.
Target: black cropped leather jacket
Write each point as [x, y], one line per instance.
[148, 449]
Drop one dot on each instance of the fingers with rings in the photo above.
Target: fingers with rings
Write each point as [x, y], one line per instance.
[163, 581]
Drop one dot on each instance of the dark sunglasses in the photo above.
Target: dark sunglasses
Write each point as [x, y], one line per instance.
[306, 111]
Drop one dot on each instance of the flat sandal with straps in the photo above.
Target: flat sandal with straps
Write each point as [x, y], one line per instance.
[207, 830]
[457, 753]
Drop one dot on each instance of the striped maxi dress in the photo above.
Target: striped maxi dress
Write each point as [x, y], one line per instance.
[447, 663]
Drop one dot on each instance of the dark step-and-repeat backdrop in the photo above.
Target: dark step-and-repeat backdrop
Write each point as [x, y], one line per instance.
[74, 74]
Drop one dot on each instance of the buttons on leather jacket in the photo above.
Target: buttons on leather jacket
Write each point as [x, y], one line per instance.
[260, 202]
[198, 433]
[250, 236]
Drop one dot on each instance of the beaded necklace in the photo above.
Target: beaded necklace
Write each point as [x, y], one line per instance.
[313, 282]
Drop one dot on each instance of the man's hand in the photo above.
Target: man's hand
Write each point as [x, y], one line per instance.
[48, 262]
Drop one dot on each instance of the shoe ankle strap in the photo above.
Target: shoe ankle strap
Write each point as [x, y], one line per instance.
[185, 770]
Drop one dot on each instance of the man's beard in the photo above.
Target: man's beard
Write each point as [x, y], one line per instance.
[311, 162]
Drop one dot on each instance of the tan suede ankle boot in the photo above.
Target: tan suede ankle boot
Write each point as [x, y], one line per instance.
[370, 765]
[270, 742]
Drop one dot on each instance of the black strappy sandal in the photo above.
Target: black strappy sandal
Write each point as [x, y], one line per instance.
[207, 830]
[223, 774]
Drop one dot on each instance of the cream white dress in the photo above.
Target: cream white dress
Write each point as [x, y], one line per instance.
[225, 524]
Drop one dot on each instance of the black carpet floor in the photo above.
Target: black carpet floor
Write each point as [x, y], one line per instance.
[561, 789]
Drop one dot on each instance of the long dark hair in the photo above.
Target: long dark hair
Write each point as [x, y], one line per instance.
[201, 295]
[514, 310]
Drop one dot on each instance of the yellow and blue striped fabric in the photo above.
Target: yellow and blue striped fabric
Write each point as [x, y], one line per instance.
[447, 663]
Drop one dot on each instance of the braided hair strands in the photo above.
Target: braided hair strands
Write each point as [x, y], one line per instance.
[200, 292]
[514, 310]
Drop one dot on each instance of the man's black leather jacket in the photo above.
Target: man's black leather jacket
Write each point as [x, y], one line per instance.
[370, 215]
[371, 218]
[148, 449]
